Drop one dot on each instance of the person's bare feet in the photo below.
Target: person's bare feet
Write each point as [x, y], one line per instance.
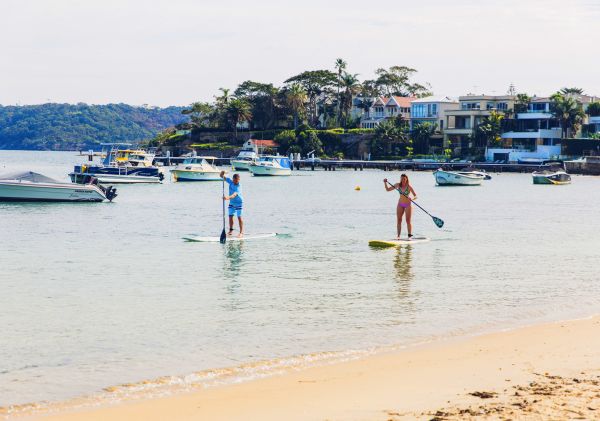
[240, 235]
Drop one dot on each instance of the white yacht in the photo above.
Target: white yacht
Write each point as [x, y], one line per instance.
[197, 168]
[248, 155]
[272, 165]
[458, 178]
[29, 186]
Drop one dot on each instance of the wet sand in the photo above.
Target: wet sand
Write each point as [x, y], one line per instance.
[549, 371]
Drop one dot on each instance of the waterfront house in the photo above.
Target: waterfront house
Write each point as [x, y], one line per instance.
[382, 108]
[473, 109]
[533, 134]
[432, 110]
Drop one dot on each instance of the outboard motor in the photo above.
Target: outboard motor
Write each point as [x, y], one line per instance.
[111, 193]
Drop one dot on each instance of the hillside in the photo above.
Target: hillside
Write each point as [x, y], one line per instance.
[81, 126]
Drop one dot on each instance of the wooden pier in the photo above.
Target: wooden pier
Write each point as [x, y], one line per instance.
[399, 165]
[359, 165]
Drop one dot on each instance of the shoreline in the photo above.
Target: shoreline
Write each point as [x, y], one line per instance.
[416, 382]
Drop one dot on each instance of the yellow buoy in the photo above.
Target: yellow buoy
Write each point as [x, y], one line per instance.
[357, 188]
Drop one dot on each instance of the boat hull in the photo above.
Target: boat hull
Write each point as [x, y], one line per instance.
[448, 178]
[40, 192]
[241, 165]
[183, 175]
[551, 179]
[261, 171]
[118, 175]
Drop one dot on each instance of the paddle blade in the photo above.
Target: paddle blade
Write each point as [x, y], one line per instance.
[438, 221]
[223, 237]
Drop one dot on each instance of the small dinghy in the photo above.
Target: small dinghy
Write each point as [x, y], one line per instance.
[551, 177]
[459, 178]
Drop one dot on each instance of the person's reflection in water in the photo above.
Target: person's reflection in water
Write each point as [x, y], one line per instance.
[403, 266]
[233, 262]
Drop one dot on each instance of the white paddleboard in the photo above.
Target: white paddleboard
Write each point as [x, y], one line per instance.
[395, 242]
[230, 237]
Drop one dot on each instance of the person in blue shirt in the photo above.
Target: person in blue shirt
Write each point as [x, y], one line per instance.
[236, 201]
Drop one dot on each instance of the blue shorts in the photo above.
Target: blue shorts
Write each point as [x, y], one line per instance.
[235, 210]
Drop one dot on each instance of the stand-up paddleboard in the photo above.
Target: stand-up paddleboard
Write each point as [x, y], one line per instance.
[394, 243]
[246, 237]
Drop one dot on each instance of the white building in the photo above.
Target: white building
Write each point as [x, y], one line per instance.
[534, 134]
[381, 108]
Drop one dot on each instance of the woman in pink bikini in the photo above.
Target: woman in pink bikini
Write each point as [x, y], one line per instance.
[404, 207]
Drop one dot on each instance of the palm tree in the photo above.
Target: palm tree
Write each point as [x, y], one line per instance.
[568, 111]
[340, 65]
[296, 98]
[421, 135]
[238, 111]
[351, 86]
[571, 91]
[224, 98]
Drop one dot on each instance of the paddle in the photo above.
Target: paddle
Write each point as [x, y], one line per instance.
[223, 234]
[437, 221]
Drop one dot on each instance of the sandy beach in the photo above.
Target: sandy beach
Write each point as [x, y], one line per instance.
[549, 371]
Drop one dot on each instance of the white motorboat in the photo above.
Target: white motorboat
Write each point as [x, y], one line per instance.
[458, 178]
[29, 186]
[121, 165]
[551, 177]
[246, 157]
[272, 165]
[197, 168]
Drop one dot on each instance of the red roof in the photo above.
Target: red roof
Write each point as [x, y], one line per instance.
[265, 143]
[404, 101]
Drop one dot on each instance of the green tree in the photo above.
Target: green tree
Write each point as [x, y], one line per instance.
[237, 111]
[489, 132]
[396, 81]
[288, 142]
[340, 66]
[296, 99]
[521, 103]
[201, 114]
[421, 135]
[318, 86]
[568, 111]
[593, 109]
[388, 138]
[352, 87]
[263, 99]
[571, 91]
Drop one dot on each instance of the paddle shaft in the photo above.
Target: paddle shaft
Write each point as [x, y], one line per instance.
[416, 204]
[223, 237]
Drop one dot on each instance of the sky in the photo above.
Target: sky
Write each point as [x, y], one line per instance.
[175, 52]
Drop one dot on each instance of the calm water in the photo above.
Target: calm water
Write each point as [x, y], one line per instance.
[93, 295]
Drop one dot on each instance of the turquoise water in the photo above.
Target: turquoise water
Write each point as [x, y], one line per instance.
[94, 295]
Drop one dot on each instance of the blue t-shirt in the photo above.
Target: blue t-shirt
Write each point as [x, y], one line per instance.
[235, 188]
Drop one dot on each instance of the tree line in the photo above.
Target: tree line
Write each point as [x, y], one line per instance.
[318, 98]
[81, 126]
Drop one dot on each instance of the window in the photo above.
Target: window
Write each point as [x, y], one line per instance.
[538, 107]
[432, 110]
[470, 105]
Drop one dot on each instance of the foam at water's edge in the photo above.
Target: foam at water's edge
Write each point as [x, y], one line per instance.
[170, 385]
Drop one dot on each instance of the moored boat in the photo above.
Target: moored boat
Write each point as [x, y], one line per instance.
[458, 178]
[551, 177]
[197, 168]
[272, 165]
[247, 156]
[28, 186]
[121, 165]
